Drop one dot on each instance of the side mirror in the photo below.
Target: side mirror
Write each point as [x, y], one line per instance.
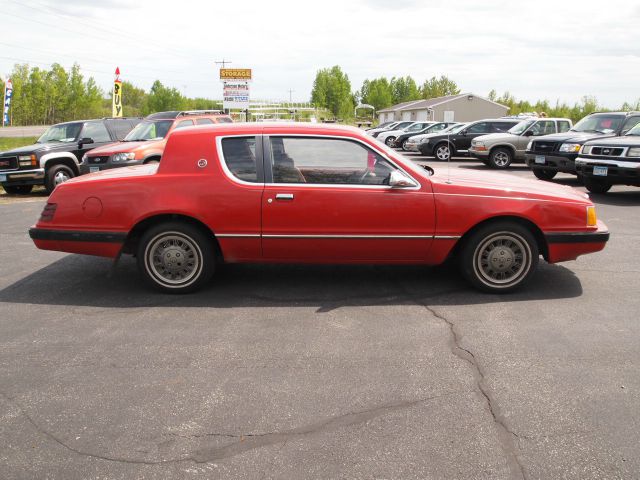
[84, 141]
[397, 179]
[463, 133]
[528, 133]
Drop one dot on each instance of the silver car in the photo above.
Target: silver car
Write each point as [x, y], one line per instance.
[499, 150]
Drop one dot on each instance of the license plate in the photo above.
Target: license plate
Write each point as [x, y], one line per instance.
[94, 169]
[540, 159]
[3, 178]
[600, 171]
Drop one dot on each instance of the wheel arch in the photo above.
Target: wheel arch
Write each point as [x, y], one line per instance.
[506, 146]
[60, 158]
[134, 235]
[452, 147]
[152, 157]
[522, 221]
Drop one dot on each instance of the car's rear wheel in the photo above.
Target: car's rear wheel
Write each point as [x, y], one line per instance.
[595, 185]
[56, 175]
[544, 173]
[176, 257]
[499, 257]
[500, 158]
[442, 152]
[390, 141]
[18, 189]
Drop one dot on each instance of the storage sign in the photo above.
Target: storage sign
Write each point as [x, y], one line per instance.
[235, 74]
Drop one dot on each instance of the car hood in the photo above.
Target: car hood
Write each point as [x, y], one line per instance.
[623, 141]
[573, 137]
[120, 147]
[496, 137]
[42, 148]
[471, 182]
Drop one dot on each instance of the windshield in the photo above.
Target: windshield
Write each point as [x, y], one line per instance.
[149, 130]
[414, 128]
[520, 128]
[67, 132]
[635, 130]
[598, 124]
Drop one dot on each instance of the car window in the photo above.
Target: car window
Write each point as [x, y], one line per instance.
[239, 154]
[223, 120]
[501, 127]
[438, 127]
[204, 121]
[482, 127]
[184, 123]
[630, 123]
[326, 161]
[563, 126]
[543, 127]
[97, 131]
[121, 128]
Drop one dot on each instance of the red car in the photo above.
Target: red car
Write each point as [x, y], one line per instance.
[313, 194]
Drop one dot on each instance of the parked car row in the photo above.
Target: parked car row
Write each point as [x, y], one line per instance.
[69, 149]
[602, 149]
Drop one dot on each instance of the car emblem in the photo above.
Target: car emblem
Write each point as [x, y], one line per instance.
[202, 163]
[606, 151]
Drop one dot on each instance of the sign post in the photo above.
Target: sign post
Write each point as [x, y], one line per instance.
[235, 88]
[117, 95]
[8, 92]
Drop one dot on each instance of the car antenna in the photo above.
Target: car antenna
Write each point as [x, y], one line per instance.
[449, 158]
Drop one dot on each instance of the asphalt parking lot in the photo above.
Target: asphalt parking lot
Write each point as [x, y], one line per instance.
[320, 372]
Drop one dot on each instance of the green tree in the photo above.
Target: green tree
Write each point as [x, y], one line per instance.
[377, 92]
[134, 100]
[332, 90]
[439, 87]
[404, 89]
[163, 99]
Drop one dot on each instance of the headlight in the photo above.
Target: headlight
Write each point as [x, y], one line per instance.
[530, 145]
[84, 158]
[633, 152]
[570, 147]
[586, 150]
[123, 157]
[27, 160]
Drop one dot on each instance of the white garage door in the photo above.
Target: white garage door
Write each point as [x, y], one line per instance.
[423, 115]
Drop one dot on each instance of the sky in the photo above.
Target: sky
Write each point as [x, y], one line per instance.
[554, 50]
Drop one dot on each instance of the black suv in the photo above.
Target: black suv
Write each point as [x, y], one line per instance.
[604, 162]
[457, 142]
[56, 156]
[550, 154]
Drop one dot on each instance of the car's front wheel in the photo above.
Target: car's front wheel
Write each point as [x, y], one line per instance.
[390, 141]
[500, 158]
[18, 189]
[56, 175]
[499, 257]
[442, 152]
[596, 186]
[544, 173]
[176, 257]
[404, 145]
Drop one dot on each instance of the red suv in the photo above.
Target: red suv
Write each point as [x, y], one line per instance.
[146, 142]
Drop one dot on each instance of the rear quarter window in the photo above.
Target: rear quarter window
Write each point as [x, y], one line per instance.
[223, 120]
[239, 155]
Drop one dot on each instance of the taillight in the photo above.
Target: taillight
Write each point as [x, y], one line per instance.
[48, 212]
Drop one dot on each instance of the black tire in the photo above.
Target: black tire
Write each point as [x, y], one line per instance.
[152, 161]
[56, 175]
[500, 158]
[499, 257]
[161, 255]
[596, 185]
[18, 189]
[389, 141]
[442, 152]
[544, 173]
[404, 145]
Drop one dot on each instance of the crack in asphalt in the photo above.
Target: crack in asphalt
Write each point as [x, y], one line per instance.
[506, 436]
[245, 442]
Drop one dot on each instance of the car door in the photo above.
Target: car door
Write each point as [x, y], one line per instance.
[327, 199]
[462, 141]
[97, 132]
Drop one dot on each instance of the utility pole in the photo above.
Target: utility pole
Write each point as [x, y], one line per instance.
[290, 92]
[222, 62]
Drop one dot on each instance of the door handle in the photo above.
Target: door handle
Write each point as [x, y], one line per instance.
[284, 196]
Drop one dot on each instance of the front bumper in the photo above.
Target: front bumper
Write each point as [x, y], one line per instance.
[564, 246]
[426, 149]
[22, 177]
[412, 147]
[555, 163]
[481, 154]
[619, 172]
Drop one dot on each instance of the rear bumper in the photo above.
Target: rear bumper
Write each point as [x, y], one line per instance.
[22, 177]
[563, 246]
[100, 243]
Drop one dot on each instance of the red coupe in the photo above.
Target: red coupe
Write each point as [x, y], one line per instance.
[313, 194]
